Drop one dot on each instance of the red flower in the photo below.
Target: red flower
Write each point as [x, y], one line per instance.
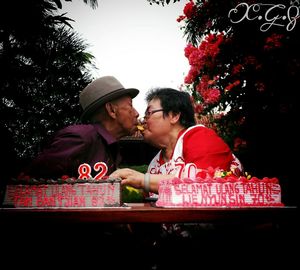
[189, 49]
[193, 73]
[23, 176]
[190, 10]
[260, 86]
[231, 85]
[239, 143]
[237, 69]
[199, 108]
[65, 177]
[180, 18]
[274, 41]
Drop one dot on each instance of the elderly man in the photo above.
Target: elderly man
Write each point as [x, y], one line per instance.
[108, 115]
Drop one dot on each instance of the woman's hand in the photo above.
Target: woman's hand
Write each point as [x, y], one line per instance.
[137, 180]
[129, 177]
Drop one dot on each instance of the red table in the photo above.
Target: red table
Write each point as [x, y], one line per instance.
[148, 213]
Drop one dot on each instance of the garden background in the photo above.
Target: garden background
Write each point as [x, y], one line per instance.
[243, 79]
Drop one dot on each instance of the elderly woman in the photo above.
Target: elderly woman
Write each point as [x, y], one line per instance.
[169, 125]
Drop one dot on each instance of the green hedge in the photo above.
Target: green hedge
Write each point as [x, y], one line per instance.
[130, 194]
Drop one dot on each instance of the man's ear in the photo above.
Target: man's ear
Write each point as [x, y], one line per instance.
[111, 110]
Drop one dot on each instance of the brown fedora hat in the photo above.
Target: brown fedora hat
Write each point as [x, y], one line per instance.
[100, 91]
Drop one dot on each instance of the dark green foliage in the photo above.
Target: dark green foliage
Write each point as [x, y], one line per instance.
[44, 66]
[161, 2]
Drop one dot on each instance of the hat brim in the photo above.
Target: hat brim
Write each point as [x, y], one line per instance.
[132, 92]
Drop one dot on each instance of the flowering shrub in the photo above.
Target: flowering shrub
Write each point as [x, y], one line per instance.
[232, 66]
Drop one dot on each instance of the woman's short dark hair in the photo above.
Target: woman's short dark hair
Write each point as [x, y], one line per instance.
[175, 101]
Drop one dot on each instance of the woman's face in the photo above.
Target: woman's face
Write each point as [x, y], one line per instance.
[157, 126]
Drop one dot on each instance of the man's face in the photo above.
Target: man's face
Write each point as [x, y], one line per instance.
[126, 115]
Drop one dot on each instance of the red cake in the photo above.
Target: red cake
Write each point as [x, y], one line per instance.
[217, 191]
[67, 193]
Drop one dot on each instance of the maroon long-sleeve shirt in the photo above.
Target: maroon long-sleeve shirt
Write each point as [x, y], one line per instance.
[73, 146]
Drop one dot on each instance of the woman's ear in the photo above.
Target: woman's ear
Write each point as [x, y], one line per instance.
[174, 117]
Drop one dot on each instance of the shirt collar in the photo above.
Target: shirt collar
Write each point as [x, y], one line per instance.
[105, 134]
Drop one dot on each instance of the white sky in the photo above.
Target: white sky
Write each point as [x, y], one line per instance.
[138, 43]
